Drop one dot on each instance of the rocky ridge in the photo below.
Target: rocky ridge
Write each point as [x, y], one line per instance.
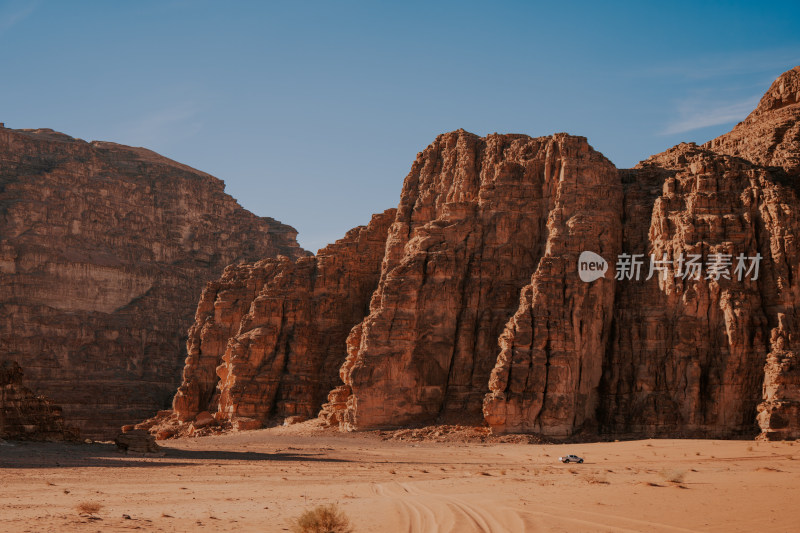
[770, 135]
[103, 249]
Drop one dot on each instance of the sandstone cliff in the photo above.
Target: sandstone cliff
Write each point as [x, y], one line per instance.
[23, 415]
[268, 337]
[472, 225]
[103, 250]
[664, 356]
[546, 375]
[685, 357]
[480, 314]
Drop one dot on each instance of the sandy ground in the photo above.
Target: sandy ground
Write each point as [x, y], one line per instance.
[261, 480]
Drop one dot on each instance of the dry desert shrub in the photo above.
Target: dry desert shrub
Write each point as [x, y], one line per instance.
[673, 476]
[88, 507]
[322, 519]
[596, 478]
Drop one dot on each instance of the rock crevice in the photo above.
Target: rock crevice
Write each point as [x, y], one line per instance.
[269, 337]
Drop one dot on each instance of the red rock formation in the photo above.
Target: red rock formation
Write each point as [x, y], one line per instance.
[665, 356]
[472, 226]
[219, 315]
[23, 415]
[268, 337]
[770, 135]
[103, 250]
[779, 413]
[685, 357]
[551, 352]
[136, 441]
[480, 312]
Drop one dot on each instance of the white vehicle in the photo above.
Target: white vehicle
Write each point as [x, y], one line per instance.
[571, 459]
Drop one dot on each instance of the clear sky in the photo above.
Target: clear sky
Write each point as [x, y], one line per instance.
[312, 112]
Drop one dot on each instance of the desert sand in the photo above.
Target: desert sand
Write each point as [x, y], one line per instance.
[261, 480]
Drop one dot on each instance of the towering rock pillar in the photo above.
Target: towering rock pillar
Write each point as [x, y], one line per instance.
[471, 228]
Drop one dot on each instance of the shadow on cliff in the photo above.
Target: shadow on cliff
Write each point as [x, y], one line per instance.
[61, 455]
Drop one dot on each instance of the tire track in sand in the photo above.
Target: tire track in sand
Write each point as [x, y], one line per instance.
[424, 512]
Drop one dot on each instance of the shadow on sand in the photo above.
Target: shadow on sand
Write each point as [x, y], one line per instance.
[64, 455]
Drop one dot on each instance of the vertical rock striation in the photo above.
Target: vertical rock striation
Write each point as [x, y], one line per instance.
[471, 227]
[687, 355]
[480, 312]
[103, 250]
[269, 337]
[684, 356]
[548, 370]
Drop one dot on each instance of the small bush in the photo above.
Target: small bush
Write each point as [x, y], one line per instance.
[673, 476]
[88, 507]
[596, 478]
[322, 519]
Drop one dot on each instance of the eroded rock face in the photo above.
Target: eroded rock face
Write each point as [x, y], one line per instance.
[665, 356]
[770, 135]
[684, 357]
[269, 337]
[779, 413]
[23, 415]
[103, 250]
[687, 355]
[136, 441]
[481, 314]
[547, 374]
[472, 225]
[223, 305]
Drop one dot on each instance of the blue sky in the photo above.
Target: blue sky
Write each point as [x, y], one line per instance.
[312, 112]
